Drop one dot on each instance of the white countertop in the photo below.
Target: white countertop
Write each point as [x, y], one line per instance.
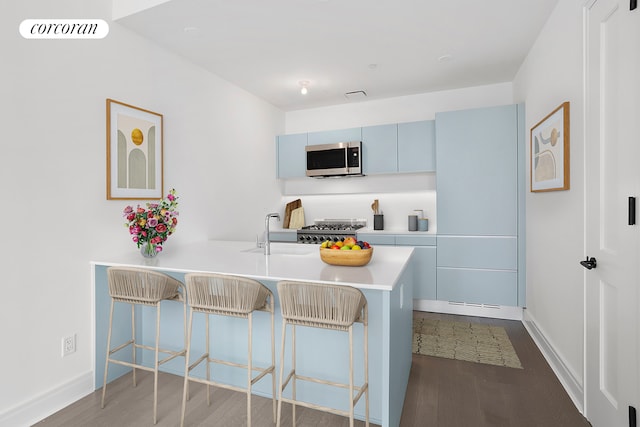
[288, 261]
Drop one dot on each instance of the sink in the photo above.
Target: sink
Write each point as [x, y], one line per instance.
[285, 249]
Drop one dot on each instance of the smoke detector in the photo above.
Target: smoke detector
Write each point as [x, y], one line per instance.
[355, 95]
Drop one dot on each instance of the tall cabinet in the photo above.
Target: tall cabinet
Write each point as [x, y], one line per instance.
[479, 179]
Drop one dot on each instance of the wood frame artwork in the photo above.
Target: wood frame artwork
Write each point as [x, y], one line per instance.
[134, 152]
[549, 141]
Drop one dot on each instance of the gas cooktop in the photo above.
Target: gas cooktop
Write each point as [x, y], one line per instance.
[329, 229]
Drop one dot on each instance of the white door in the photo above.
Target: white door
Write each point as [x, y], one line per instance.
[612, 156]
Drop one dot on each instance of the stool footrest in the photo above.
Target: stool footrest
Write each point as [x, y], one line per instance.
[205, 357]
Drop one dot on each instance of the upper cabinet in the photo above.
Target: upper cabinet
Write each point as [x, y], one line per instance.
[392, 148]
[477, 183]
[417, 146]
[380, 149]
[291, 157]
[333, 136]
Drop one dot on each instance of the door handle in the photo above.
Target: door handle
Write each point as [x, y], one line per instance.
[589, 263]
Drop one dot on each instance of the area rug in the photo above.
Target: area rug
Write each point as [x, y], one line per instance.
[472, 342]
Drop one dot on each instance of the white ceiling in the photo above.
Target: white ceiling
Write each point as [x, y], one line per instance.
[383, 47]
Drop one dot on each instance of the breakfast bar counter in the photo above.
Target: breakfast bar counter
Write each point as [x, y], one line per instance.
[386, 281]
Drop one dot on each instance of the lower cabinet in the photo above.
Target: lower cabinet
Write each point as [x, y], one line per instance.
[477, 286]
[424, 264]
[423, 261]
[478, 270]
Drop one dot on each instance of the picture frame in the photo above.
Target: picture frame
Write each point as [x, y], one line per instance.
[550, 160]
[134, 152]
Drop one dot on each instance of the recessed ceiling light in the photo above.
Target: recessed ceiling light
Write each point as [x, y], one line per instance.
[446, 57]
[304, 86]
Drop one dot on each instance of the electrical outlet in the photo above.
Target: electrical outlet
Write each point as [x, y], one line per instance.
[68, 345]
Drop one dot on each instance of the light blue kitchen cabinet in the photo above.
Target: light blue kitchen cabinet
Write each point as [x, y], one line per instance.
[283, 236]
[377, 239]
[477, 184]
[291, 157]
[380, 149]
[479, 175]
[333, 136]
[477, 286]
[424, 272]
[493, 252]
[417, 146]
[423, 260]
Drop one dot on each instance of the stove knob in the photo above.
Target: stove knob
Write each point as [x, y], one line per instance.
[308, 238]
[301, 238]
[315, 238]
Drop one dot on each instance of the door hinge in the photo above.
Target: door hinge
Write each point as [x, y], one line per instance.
[633, 420]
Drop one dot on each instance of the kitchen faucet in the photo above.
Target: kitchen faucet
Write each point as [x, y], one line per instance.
[267, 243]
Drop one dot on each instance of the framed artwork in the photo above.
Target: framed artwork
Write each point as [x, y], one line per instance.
[550, 151]
[134, 152]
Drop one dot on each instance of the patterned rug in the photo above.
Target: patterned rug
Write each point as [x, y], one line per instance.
[472, 342]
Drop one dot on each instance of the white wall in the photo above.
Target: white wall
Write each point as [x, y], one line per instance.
[399, 195]
[552, 74]
[218, 140]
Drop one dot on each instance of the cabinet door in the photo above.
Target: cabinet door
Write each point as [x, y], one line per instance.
[417, 146]
[292, 159]
[377, 239]
[477, 158]
[493, 287]
[424, 273]
[486, 252]
[380, 149]
[333, 136]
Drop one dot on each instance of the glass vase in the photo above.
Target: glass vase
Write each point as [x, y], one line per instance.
[148, 250]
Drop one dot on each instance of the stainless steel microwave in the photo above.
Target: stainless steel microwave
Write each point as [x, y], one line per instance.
[339, 159]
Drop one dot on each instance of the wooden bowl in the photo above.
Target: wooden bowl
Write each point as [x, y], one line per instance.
[349, 258]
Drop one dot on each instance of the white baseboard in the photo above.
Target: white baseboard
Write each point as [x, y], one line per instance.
[571, 384]
[47, 403]
[466, 309]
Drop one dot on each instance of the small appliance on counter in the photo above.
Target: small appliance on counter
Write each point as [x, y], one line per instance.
[329, 229]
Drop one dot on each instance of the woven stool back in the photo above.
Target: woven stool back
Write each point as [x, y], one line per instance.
[223, 294]
[321, 305]
[141, 286]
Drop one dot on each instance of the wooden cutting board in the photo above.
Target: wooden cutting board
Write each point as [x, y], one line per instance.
[297, 218]
[287, 212]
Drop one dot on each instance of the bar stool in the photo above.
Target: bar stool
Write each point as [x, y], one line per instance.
[139, 286]
[323, 306]
[226, 295]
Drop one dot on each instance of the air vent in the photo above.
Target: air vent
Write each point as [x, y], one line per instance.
[356, 95]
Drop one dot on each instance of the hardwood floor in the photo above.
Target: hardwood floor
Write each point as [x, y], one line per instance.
[441, 393]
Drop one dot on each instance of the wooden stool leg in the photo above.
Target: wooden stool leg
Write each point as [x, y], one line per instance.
[250, 320]
[208, 359]
[133, 339]
[155, 371]
[293, 366]
[282, 342]
[106, 361]
[185, 387]
[351, 376]
[366, 371]
[273, 359]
